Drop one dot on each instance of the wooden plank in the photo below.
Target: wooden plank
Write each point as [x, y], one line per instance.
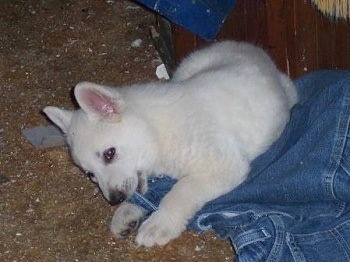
[291, 50]
[295, 34]
[235, 26]
[325, 42]
[306, 53]
[341, 59]
[255, 22]
[276, 32]
[184, 42]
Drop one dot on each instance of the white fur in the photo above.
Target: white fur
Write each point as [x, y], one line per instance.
[225, 105]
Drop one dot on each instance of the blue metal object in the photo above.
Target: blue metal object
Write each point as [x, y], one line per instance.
[202, 17]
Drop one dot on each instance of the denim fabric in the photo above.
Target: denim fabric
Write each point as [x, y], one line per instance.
[294, 205]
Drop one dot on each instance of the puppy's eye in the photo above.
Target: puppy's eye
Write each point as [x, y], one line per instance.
[109, 154]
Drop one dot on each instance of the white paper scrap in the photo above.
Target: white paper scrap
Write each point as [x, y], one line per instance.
[162, 73]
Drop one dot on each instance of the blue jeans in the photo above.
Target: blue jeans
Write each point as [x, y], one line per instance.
[294, 205]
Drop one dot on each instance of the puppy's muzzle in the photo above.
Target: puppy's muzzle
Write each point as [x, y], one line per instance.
[116, 197]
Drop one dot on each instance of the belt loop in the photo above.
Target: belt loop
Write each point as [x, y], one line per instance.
[249, 237]
[276, 251]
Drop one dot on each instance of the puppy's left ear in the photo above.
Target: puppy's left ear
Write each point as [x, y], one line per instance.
[99, 101]
[60, 117]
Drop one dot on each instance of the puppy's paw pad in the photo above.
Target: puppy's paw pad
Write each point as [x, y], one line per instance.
[125, 220]
[124, 233]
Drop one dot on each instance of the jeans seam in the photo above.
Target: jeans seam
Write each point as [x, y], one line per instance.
[341, 208]
[339, 145]
[345, 164]
[342, 242]
[337, 212]
[145, 201]
[277, 247]
[297, 254]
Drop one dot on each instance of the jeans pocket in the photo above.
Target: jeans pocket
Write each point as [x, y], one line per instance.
[331, 245]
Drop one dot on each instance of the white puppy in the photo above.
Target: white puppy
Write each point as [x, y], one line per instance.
[225, 105]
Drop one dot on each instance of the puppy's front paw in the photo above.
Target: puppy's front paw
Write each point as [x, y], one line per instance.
[125, 219]
[158, 230]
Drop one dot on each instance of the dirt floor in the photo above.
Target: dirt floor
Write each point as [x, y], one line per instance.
[48, 210]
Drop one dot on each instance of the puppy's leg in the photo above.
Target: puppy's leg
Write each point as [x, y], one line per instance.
[187, 196]
[125, 219]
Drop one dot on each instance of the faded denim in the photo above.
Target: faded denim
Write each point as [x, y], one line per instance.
[294, 205]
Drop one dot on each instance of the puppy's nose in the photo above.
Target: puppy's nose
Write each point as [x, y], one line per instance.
[116, 197]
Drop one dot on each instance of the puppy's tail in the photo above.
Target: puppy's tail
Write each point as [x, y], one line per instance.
[289, 89]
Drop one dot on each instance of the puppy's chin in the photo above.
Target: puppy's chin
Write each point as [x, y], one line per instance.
[142, 186]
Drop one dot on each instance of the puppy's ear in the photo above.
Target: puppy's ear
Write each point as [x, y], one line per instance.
[99, 101]
[59, 117]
